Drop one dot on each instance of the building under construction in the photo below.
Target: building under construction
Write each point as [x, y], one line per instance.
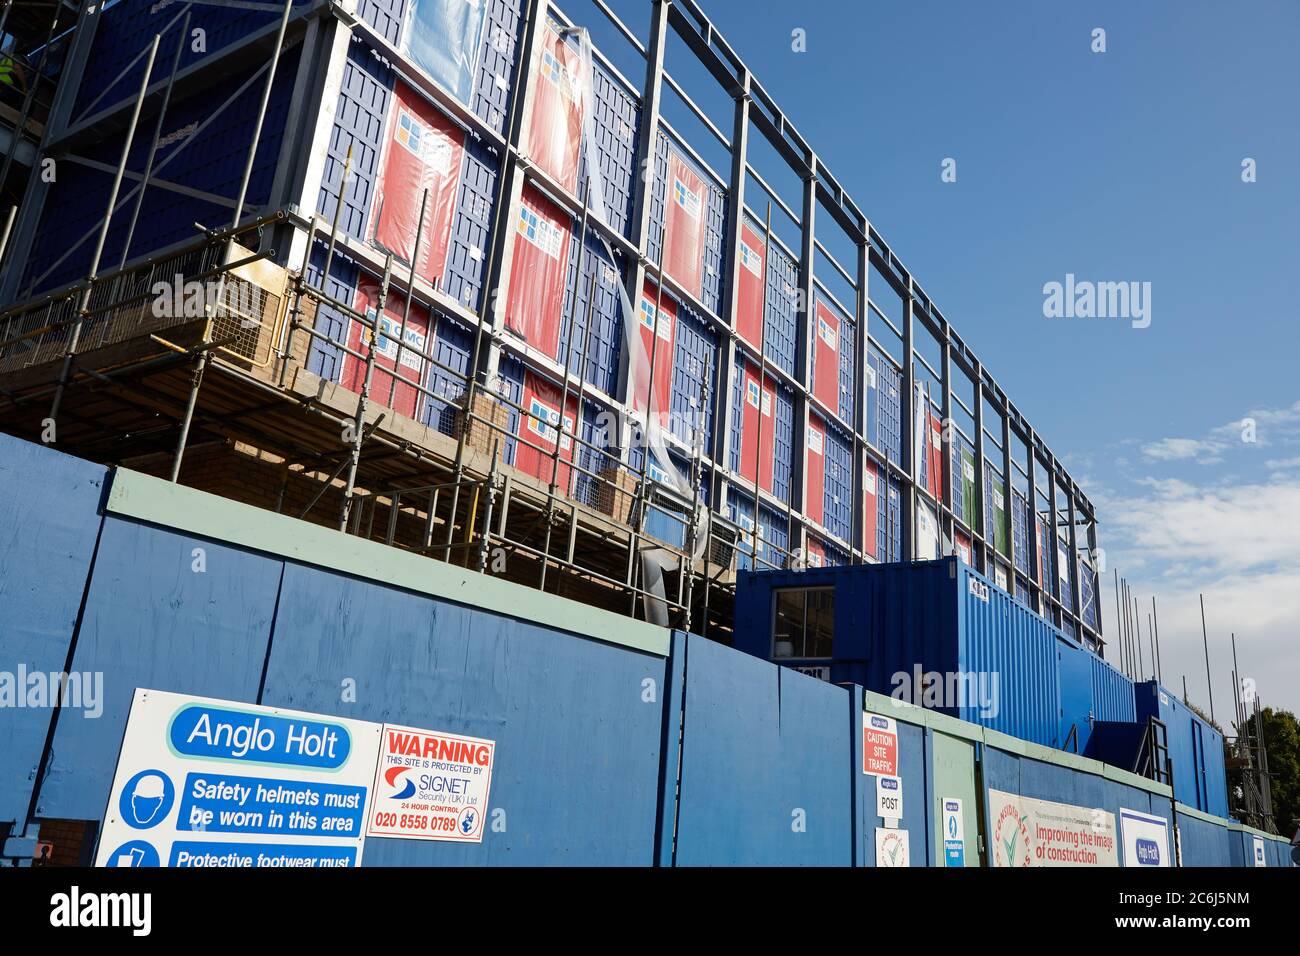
[391, 267]
[563, 297]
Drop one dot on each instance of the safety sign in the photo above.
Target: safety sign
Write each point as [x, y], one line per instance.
[879, 745]
[212, 783]
[1145, 837]
[431, 785]
[954, 838]
[1258, 851]
[889, 797]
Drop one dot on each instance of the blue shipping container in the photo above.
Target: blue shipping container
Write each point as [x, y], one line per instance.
[994, 660]
[1195, 748]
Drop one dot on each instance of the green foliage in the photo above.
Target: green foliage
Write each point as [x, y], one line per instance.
[1282, 745]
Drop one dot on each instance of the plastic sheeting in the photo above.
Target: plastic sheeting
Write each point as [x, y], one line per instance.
[555, 127]
[407, 399]
[535, 302]
[443, 37]
[423, 152]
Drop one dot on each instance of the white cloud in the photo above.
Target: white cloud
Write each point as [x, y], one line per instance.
[1239, 544]
[1181, 449]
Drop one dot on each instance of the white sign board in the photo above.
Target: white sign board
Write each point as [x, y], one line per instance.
[889, 797]
[891, 848]
[431, 785]
[1146, 838]
[1258, 849]
[212, 783]
[1028, 832]
[954, 833]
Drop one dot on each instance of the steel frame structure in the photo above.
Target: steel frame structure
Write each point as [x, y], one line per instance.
[324, 28]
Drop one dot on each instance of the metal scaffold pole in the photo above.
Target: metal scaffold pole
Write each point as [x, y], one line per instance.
[83, 303]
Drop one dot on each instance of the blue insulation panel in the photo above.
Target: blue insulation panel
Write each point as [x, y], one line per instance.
[204, 146]
[773, 528]
[695, 360]
[126, 30]
[359, 123]
[325, 358]
[615, 126]
[471, 227]
[889, 518]
[496, 70]
[432, 664]
[884, 405]
[386, 16]
[510, 372]
[48, 505]
[153, 620]
[838, 486]
[1020, 531]
[453, 346]
[603, 345]
[848, 353]
[764, 742]
[781, 309]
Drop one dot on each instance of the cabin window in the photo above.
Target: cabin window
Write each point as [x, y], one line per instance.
[803, 623]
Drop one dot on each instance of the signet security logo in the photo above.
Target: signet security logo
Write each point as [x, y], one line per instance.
[405, 789]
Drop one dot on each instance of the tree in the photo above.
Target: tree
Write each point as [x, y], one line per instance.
[1282, 745]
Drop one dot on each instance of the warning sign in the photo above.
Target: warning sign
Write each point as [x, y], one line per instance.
[431, 785]
[879, 745]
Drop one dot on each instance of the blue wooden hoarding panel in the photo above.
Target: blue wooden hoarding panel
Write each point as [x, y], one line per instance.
[759, 745]
[558, 796]
[165, 611]
[48, 510]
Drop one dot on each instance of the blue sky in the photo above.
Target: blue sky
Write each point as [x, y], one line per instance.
[1117, 166]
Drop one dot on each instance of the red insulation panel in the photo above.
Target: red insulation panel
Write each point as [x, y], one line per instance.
[750, 296]
[815, 473]
[870, 506]
[535, 302]
[661, 355]
[684, 225]
[407, 399]
[962, 543]
[423, 150]
[757, 429]
[826, 357]
[935, 457]
[539, 425]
